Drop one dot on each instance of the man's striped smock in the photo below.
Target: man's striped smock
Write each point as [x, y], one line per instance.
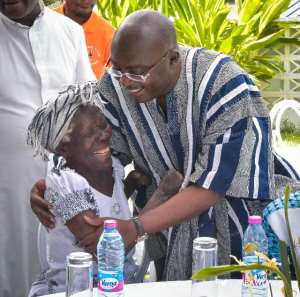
[216, 131]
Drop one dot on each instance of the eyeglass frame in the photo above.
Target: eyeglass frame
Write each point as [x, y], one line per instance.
[143, 77]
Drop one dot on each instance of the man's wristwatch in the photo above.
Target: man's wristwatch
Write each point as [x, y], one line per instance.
[141, 234]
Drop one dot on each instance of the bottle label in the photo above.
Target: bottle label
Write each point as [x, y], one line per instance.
[110, 281]
[255, 278]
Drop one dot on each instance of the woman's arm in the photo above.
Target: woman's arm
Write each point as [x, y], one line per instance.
[78, 226]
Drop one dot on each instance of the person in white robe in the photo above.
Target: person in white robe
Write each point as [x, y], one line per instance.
[41, 51]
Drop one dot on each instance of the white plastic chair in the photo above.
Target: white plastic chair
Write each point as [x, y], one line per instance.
[143, 262]
[41, 245]
[276, 114]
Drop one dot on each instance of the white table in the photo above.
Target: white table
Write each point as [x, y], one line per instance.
[227, 288]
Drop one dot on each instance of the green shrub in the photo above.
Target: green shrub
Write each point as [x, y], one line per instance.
[205, 23]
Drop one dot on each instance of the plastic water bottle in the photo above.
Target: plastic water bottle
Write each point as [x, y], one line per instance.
[255, 281]
[110, 253]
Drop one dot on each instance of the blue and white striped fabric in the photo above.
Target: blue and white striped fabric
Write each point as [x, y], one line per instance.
[216, 132]
[283, 167]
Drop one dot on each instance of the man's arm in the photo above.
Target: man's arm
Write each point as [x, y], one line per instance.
[40, 206]
[184, 205]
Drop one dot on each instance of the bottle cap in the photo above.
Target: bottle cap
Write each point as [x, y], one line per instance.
[253, 220]
[110, 224]
[205, 243]
[79, 258]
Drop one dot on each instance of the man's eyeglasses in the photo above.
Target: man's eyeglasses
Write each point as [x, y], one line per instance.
[140, 78]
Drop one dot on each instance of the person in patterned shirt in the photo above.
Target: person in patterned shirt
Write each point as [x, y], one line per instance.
[98, 32]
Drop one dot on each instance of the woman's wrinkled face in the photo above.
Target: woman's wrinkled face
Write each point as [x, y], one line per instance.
[86, 144]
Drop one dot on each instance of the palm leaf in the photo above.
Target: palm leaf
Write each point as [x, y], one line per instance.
[252, 23]
[164, 7]
[289, 40]
[261, 68]
[225, 269]
[263, 42]
[239, 4]
[272, 64]
[249, 9]
[181, 9]
[187, 33]
[285, 266]
[226, 45]
[197, 20]
[272, 13]
[125, 9]
[204, 23]
[218, 21]
[291, 241]
[288, 24]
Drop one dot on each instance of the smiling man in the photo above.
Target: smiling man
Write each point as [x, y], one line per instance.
[194, 110]
[197, 111]
[40, 52]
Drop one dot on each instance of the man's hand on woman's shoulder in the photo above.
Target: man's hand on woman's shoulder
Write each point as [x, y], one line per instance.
[40, 206]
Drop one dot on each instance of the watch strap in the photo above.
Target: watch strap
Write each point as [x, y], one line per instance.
[141, 234]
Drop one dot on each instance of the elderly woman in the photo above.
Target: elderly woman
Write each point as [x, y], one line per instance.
[85, 179]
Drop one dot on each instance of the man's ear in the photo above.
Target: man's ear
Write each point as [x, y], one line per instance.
[174, 57]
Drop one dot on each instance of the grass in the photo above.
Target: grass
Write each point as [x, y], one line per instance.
[292, 139]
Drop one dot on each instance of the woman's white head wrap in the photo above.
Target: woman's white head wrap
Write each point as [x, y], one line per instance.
[52, 119]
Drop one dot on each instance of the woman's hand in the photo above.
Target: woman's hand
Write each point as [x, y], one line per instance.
[40, 206]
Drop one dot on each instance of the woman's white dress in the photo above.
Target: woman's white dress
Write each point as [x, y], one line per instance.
[71, 194]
